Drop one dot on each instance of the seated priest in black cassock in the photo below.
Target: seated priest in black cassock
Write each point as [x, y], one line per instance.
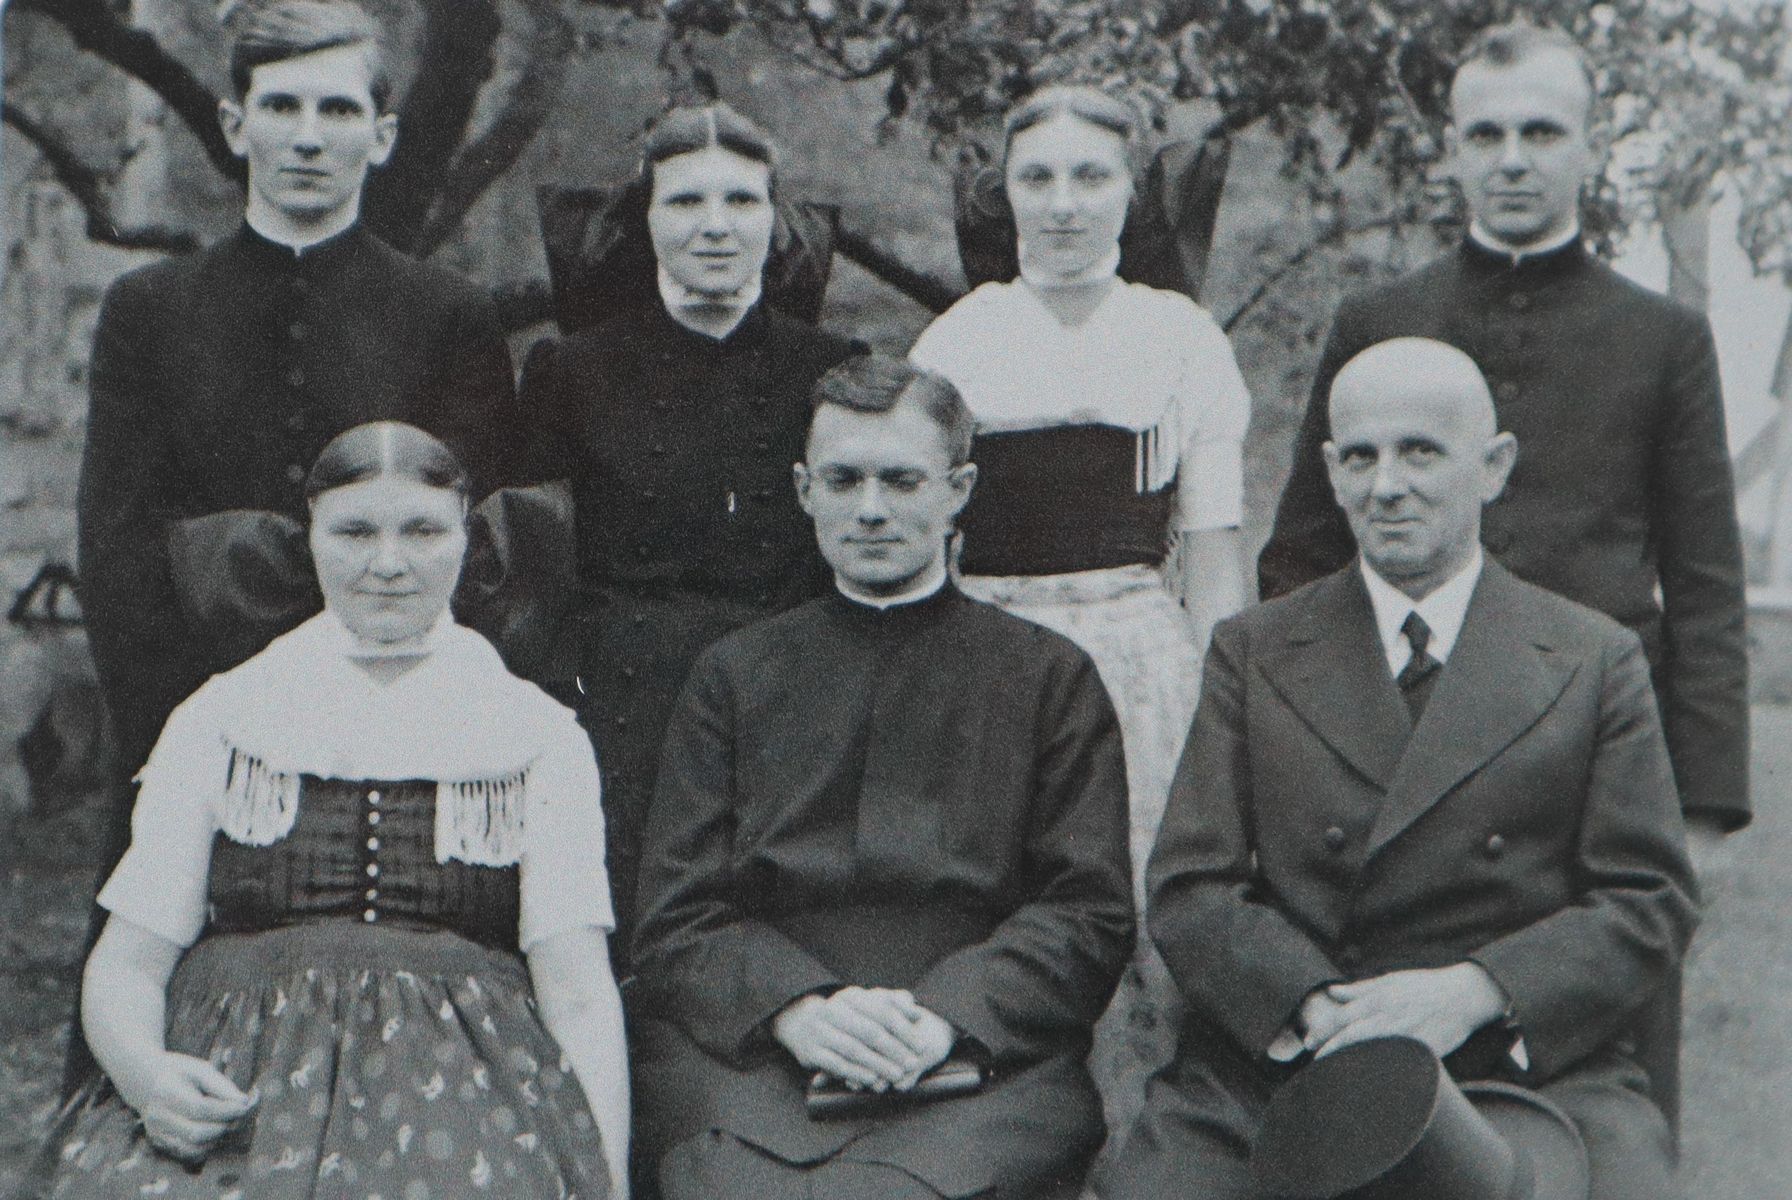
[885, 887]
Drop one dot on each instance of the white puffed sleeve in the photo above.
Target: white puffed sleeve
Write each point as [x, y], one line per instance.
[564, 882]
[160, 883]
[1215, 411]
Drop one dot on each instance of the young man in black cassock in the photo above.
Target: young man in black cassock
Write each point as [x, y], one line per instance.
[889, 833]
[218, 377]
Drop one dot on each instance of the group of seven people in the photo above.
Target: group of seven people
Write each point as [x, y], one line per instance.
[894, 743]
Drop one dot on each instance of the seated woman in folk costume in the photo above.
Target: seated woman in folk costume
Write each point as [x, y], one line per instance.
[358, 940]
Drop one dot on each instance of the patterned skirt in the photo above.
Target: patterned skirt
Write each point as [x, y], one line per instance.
[391, 1063]
[1127, 621]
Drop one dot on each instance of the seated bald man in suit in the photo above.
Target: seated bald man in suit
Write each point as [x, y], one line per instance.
[1423, 798]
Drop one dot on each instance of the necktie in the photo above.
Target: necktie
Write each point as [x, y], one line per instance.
[1419, 674]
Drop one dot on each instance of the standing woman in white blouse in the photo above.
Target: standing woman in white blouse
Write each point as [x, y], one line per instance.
[357, 943]
[1111, 419]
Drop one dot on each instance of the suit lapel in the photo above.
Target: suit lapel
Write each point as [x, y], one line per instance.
[1334, 674]
[1501, 677]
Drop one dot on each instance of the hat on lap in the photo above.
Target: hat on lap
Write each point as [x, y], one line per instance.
[1383, 1120]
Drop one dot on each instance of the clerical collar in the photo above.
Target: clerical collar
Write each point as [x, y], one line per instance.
[1444, 609]
[1105, 268]
[261, 227]
[1485, 239]
[929, 584]
[736, 304]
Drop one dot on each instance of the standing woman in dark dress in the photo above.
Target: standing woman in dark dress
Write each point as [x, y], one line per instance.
[677, 425]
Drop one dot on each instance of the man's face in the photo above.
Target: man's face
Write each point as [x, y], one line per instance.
[309, 131]
[1520, 146]
[1411, 472]
[883, 492]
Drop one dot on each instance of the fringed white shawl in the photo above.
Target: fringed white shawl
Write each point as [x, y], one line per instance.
[303, 707]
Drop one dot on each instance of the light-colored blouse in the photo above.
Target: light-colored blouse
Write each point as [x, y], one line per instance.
[1146, 360]
[516, 780]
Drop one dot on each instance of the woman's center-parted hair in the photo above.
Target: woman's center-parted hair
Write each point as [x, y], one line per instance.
[877, 383]
[382, 449]
[689, 128]
[1081, 101]
[271, 31]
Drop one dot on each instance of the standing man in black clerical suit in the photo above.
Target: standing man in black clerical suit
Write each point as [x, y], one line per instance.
[1622, 498]
[217, 378]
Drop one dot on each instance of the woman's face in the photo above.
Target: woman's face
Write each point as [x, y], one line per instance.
[388, 553]
[1069, 184]
[711, 219]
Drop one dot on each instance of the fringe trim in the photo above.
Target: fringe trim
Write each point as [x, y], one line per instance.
[480, 822]
[260, 805]
[1150, 472]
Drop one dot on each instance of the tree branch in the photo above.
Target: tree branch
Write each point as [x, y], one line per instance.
[97, 28]
[531, 99]
[88, 188]
[456, 60]
[924, 289]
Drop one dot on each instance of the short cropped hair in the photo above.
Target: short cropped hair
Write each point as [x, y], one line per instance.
[877, 383]
[381, 449]
[1076, 100]
[693, 127]
[1515, 41]
[271, 31]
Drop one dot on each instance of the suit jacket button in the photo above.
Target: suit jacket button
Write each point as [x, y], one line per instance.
[295, 473]
[1496, 845]
[1334, 839]
[1520, 301]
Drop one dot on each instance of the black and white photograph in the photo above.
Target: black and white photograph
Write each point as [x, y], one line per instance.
[896, 599]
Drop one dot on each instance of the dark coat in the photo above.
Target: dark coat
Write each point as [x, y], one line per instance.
[930, 797]
[1528, 823]
[217, 379]
[678, 448]
[1622, 484]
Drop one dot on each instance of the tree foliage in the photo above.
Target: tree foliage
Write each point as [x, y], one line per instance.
[1349, 88]
[1693, 92]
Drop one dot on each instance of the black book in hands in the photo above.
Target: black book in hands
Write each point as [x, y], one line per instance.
[830, 1099]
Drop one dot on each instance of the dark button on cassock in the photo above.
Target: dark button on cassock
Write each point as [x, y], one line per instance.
[298, 331]
[295, 422]
[1520, 301]
[1507, 390]
[296, 377]
[1496, 845]
[1334, 839]
[295, 473]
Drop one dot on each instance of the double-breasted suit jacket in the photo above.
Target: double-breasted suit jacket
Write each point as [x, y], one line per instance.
[1528, 823]
[1621, 498]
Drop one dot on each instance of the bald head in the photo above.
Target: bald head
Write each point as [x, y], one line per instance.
[1415, 452]
[1417, 371]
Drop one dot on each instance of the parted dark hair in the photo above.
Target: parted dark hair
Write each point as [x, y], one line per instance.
[271, 31]
[381, 448]
[1076, 100]
[1514, 41]
[699, 126]
[877, 383]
